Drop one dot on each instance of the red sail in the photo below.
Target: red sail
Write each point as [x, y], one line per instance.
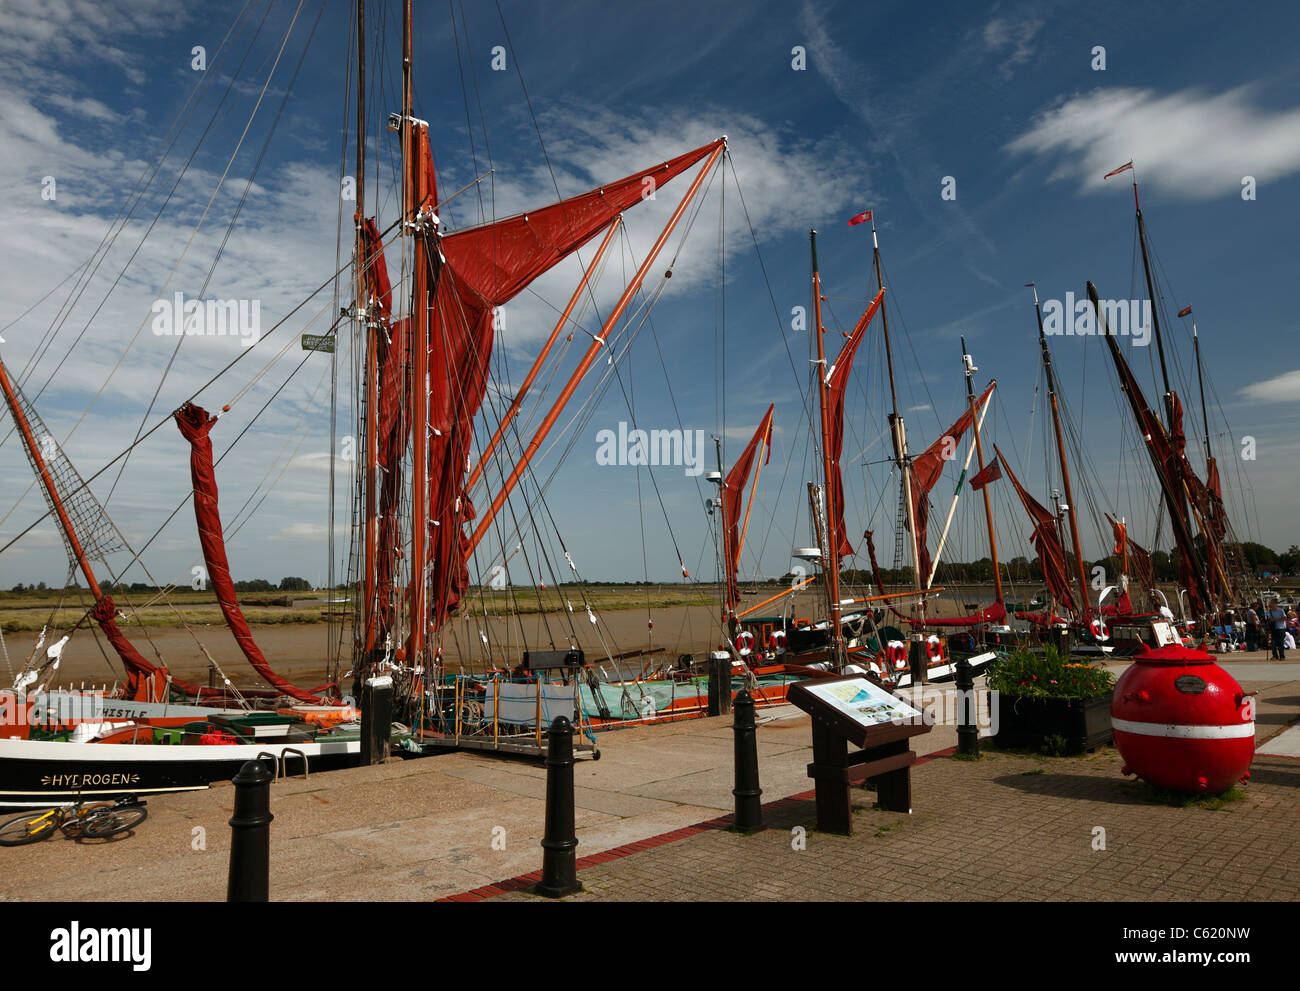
[836, 383]
[1218, 517]
[1051, 556]
[926, 470]
[393, 428]
[995, 613]
[105, 614]
[1166, 462]
[733, 491]
[195, 424]
[483, 268]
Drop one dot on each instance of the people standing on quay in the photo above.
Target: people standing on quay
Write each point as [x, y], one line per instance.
[1277, 617]
[1252, 628]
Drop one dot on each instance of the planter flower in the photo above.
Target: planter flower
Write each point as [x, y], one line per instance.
[1044, 701]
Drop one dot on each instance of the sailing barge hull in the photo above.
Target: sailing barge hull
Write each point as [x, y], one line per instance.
[35, 773]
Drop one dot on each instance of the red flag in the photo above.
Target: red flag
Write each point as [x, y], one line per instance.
[862, 218]
[1123, 168]
[1184, 311]
[992, 471]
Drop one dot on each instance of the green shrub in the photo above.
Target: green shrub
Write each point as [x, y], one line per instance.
[1047, 675]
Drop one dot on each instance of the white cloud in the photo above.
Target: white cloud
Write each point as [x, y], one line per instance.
[1191, 143]
[1284, 388]
[1011, 41]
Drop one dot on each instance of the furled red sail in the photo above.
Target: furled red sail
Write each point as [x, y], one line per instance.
[393, 428]
[1166, 461]
[927, 469]
[480, 269]
[733, 491]
[195, 423]
[836, 383]
[1047, 543]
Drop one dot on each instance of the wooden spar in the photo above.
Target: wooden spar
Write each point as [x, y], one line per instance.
[1060, 453]
[870, 598]
[51, 490]
[952, 507]
[789, 591]
[541, 357]
[367, 330]
[419, 329]
[831, 553]
[758, 470]
[979, 453]
[593, 352]
[890, 595]
[896, 426]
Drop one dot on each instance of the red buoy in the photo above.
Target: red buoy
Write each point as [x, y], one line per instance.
[1182, 722]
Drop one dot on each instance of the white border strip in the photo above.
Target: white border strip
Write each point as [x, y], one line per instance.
[1180, 732]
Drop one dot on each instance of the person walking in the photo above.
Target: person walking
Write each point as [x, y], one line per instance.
[1277, 616]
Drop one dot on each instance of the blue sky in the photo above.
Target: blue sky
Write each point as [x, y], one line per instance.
[893, 98]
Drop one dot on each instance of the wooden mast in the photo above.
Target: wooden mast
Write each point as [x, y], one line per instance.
[1205, 425]
[593, 351]
[419, 327]
[1060, 453]
[830, 552]
[1181, 496]
[366, 331]
[897, 428]
[969, 368]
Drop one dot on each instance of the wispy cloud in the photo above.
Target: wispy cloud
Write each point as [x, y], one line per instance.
[1190, 143]
[1284, 388]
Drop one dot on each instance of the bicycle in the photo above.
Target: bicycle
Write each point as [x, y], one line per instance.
[97, 821]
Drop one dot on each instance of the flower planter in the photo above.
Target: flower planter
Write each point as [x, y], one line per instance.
[1027, 721]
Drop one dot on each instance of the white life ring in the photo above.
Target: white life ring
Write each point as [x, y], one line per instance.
[897, 654]
[934, 648]
[776, 639]
[745, 641]
[1098, 629]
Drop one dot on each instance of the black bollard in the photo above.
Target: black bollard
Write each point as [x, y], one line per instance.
[749, 812]
[918, 660]
[376, 720]
[719, 683]
[559, 861]
[968, 732]
[250, 834]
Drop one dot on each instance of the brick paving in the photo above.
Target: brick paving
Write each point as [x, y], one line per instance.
[1008, 827]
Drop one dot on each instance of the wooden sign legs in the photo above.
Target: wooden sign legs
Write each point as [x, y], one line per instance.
[887, 765]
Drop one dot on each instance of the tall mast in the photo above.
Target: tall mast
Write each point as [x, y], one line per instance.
[969, 367]
[1070, 507]
[1200, 382]
[830, 554]
[419, 327]
[1155, 308]
[896, 425]
[366, 330]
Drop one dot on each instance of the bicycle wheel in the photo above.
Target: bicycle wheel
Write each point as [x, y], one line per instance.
[114, 821]
[27, 829]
